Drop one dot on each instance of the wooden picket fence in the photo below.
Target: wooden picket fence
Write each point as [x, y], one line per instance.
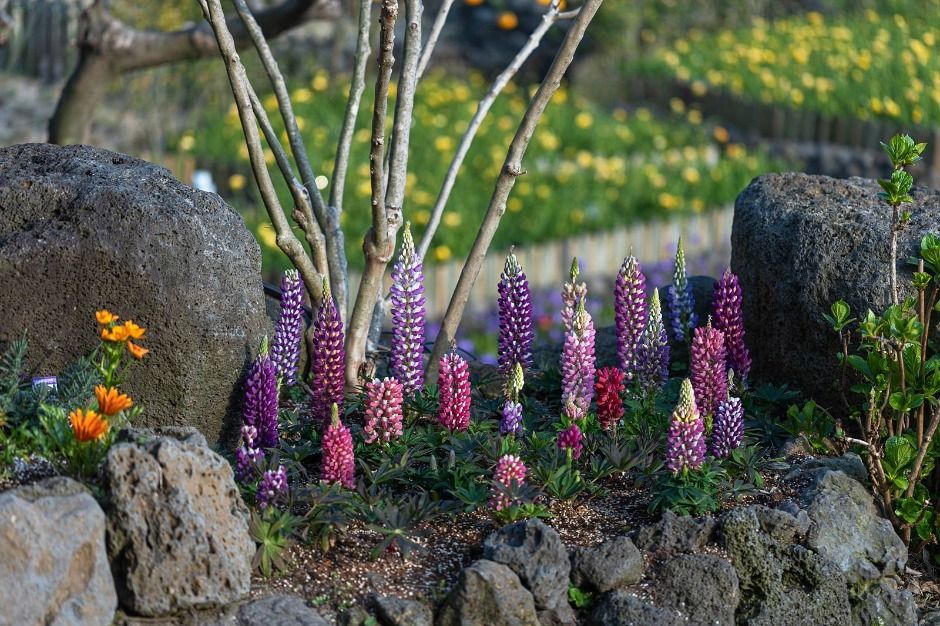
[41, 41]
[600, 255]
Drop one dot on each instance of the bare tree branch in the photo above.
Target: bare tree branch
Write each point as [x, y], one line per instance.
[512, 168]
[433, 36]
[483, 109]
[286, 240]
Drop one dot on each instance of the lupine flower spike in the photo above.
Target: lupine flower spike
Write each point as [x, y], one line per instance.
[609, 389]
[577, 364]
[631, 314]
[728, 431]
[260, 409]
[569, 440]
[685, 443]
[516, 324]
[327, 359]
[249, 455]
[572, 293]
[285, 349]
[653, 368]
[454, 392]
[708, 368]
[510, 472]
[681, 303]
[338, 464]
[730, 320]
[383, 410]
[511, 422]
[408, 316]
[273, 484]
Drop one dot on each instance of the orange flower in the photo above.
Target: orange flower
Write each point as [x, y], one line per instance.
[105, 317]
[473, 3]
[133, 330]
[111, 401]
[117, 333]
[87, 425]
[138, 352]
[507, 20]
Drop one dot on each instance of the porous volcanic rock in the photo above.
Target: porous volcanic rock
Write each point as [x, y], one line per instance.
[611, 565]
[488, 594]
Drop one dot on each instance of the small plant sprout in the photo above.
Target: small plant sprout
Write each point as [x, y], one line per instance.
[896, 190]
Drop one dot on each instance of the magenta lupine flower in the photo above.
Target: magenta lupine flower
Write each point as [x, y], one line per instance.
[454, 392]
[510, 473]
[653, 367]
[708, 368]
[578, 364]
[327, 359]
[685, 442]
[569, 440]
[338, 463]
[681, 303]
[511, 422]
[249, 456]
[728, 428]
[285, 349]
[730, 320]
[272, 486]
[383, 412]
[261, 406]
[572, 293]
[516, 323]
[609, 390]
[631, 314]
[408, 317]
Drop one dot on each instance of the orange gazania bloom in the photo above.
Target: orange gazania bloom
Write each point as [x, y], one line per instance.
[87, 425]
[507, 20]
[133, 330]
[138, 352]
[111, 401]
[116, 333]
[105, 317]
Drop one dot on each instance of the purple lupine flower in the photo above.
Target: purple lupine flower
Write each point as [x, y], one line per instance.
[327, 359]
[631, 314]
[516, 324]
[511, 422]
[572, 293]
[285, 349]
[578, 364]
[272, 486]
[260, 406]
[454, 392]
[408, 317]
[249, 456]
[708, 369]
[681, 303]
[383, 412]
[569, 440]
[728, 429]
[338, 462]
[730, 320]
[653, 369]
[510, 471]
[685, 442]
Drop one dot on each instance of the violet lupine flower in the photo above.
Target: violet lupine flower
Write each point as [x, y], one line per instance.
[327, 359]
[408, 315]
[383, 412]
[454, 392]
[728, 429]
[260, 406]
[285, 349]
[516, 324]
[511, 422]
[685, 442]
[338, 463]
[249, 456]
[578, 365]
[730, 320]
[572, 293]
[708, 369]
[273, 484]
[681, 303]
[653, 368]
[569, 440]
[631, 314]
[609, 389]
[510, 472]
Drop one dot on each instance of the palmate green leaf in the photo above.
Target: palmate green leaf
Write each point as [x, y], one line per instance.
[930, 252]
[900, 451]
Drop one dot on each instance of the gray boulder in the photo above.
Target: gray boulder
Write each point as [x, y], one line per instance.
[620, 608]
[703, 588]
[849, 463]
[83, 228]
[801, 242]
[177, 528]
[400, 612]
[675, 534]
[278, 611]
[53, 561]
[611, 565]
[488, 594]
[848, 531]
[537, 555]
[883, 604]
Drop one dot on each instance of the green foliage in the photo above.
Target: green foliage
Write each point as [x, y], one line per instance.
[271, 530]
[580, 598]
[814, 424]
[688, 493]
